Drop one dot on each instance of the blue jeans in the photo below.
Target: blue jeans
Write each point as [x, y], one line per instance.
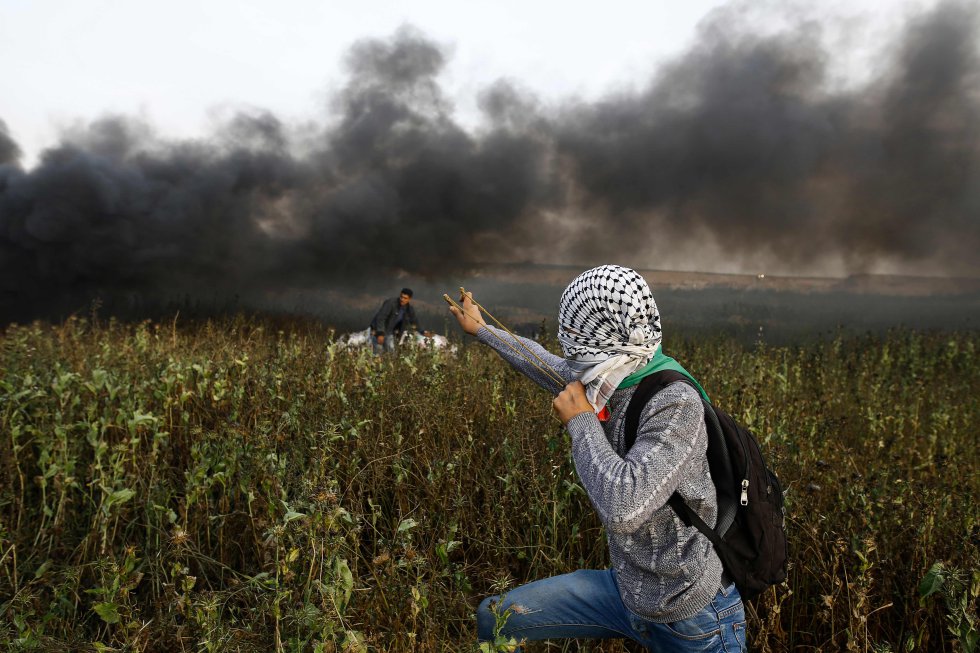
[586, 604]
[387, 347]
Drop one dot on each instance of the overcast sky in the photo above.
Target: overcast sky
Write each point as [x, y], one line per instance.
[182, 63]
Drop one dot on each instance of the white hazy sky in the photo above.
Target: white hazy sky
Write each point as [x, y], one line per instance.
[177, 63]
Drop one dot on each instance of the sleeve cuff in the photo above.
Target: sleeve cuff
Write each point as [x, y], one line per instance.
[483, 334]
[583, 422]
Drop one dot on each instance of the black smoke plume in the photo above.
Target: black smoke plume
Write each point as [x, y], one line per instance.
[740, 151]
[393, 186]
[742, 142]
[9, 151]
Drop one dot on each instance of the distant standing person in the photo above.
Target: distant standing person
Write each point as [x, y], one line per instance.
[392, 319]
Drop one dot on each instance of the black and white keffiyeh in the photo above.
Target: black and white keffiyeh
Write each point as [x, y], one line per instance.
[608, 327]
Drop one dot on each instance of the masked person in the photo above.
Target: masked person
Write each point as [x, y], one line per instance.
[665, 587]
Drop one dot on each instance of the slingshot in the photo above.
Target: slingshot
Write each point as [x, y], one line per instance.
[542, 366]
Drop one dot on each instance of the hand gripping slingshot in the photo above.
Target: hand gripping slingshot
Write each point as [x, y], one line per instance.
[521, 351]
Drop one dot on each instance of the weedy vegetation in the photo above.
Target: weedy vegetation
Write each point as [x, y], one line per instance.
[248, 485]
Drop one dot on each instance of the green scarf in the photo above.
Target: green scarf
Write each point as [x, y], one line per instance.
[661, 361]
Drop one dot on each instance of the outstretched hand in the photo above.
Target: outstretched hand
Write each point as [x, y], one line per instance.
[571, 402]
[470, 318]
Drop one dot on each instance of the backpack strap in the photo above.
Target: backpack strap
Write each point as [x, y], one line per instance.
[691, 518]
[648, 387]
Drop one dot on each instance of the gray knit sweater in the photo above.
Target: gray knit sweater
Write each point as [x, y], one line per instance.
[666, 572]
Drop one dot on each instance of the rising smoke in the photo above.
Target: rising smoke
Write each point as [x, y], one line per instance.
[9, 151]
[742, 142]
[740, 150]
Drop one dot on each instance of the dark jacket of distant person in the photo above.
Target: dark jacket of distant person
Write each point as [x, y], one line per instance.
[386, 320]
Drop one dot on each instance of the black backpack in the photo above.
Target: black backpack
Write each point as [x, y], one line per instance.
[749, 536]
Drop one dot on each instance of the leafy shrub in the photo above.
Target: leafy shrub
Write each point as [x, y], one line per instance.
[244, 485]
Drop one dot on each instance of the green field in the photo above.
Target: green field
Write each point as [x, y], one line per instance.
[249, 485]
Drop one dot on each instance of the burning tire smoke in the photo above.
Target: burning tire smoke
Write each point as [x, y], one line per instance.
[741, 151]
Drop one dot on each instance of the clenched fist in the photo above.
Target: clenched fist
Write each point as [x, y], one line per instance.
[571, 402]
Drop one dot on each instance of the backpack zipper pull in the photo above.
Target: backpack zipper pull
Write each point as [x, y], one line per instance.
[745, 491]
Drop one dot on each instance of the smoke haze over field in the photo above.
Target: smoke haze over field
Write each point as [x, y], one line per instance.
[743, 151]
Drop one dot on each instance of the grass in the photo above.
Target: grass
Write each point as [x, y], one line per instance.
[248, 485]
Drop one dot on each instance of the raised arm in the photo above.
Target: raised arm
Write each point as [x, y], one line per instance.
[523, 354]
[528, 357]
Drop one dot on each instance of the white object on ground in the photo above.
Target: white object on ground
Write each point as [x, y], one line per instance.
[358, 339]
